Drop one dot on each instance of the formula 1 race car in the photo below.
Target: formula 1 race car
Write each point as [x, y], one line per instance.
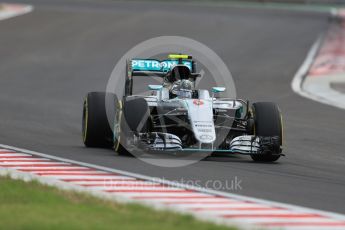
[176, 117]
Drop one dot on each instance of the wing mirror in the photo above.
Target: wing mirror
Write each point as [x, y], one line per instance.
[158, 89]
[218, 89]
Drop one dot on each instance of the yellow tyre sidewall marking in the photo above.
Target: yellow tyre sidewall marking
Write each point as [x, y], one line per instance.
[282, 128]
[119, 126]
[86, 117]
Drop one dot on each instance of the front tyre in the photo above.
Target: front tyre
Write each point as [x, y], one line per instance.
[267, 123]
[133, 118]
[96, 130]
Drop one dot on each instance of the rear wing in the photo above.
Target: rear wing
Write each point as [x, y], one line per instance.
[154, 67]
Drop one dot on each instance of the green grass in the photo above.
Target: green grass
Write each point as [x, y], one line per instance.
[30, 205]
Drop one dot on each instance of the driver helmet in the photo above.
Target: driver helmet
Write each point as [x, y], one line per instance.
[178, 72]
[182, 88]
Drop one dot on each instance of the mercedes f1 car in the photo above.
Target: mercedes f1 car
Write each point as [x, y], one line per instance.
[177, 117]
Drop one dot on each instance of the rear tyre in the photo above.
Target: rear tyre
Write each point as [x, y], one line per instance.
[96, 129]
[267, 123]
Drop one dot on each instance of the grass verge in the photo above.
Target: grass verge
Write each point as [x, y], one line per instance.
[30, 205]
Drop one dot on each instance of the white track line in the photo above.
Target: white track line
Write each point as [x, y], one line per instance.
[317, 88]
[37, 168]
[21, 159]
[110, 183]
[5, 151]
[219, 207]
[86, 177]
[297, 81]
[33, 163]
[13, 154]
[65, 172]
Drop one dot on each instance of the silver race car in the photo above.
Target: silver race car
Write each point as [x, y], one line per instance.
[178, 118]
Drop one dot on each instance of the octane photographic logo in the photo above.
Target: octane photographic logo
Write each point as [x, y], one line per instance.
[213, 72]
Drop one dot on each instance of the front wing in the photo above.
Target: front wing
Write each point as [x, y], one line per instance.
[246, 144]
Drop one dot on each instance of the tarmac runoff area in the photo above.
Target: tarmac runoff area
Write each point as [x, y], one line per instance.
[322, 76]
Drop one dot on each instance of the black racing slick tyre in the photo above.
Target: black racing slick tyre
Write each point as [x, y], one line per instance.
[96, 129]
[137, 114]
[120, 134]
[133, 119]
[267, 123]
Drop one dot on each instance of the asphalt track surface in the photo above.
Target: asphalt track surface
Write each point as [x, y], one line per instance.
[53, 56]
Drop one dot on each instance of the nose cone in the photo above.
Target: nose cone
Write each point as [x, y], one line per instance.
[200, 113]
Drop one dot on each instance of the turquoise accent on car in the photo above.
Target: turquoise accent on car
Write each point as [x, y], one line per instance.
[155, 87]
[218, 89]
[196, 150]
[156, 65]
[239, 112]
